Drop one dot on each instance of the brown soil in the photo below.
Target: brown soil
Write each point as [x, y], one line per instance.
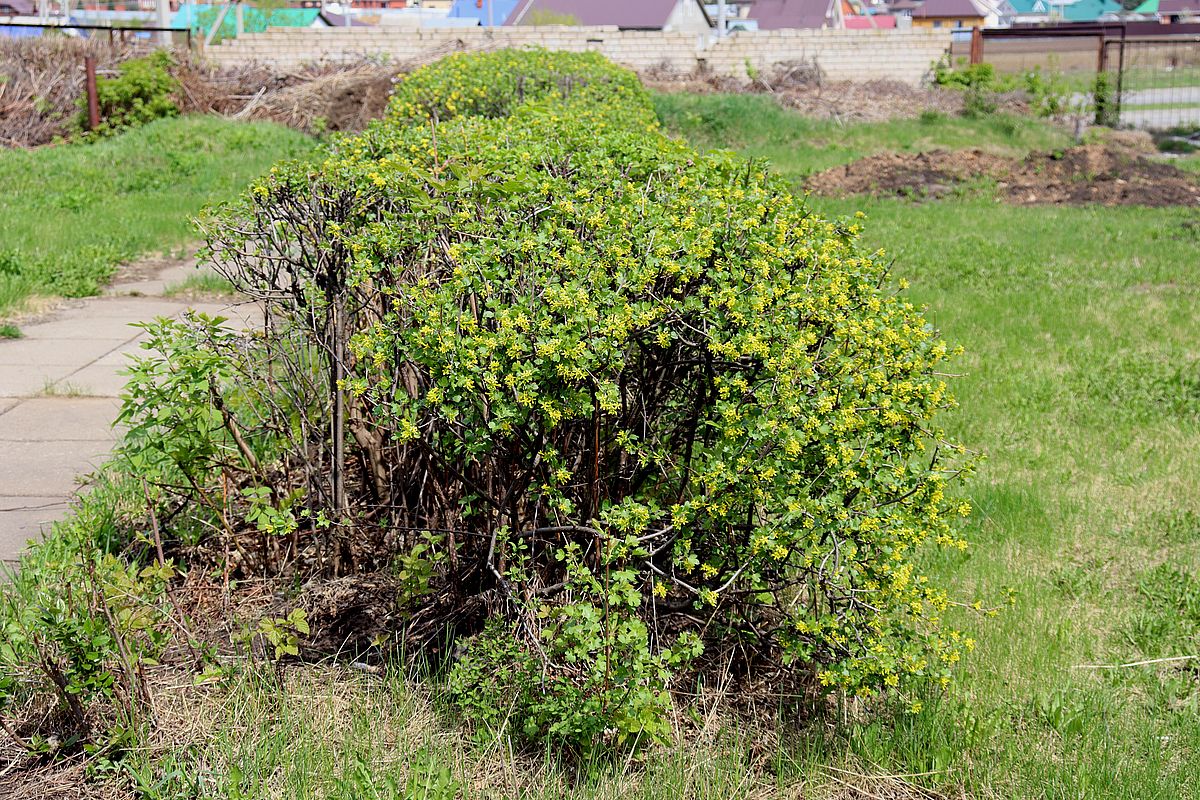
[1104, 174]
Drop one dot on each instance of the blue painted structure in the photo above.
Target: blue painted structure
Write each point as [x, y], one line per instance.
[479, 10]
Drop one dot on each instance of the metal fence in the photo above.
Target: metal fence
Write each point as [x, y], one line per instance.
[114, 33]
[1154, 82]
[1147, 73]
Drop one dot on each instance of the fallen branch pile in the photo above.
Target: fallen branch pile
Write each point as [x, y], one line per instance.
[43, 87]
[40, 82]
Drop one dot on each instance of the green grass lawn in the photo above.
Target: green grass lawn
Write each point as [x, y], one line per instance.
[1135, 78]
[1082, 387]
[797, 146]
[69, 215]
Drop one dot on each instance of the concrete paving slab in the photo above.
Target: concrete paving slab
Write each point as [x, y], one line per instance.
[172, 276]
[94, 380]
[25, 518]
[48, 351]
[41, 469]
[113, 330]
[83, 419]
[25, 380]
[133, 308]
[120, 357]
[58, 396]
[240, 314]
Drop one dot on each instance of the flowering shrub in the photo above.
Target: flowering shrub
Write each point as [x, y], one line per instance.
[142, 92]
[496, 84]
[649, 401]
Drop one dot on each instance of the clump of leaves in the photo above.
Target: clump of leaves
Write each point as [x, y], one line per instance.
[283, 633]
[78, 626]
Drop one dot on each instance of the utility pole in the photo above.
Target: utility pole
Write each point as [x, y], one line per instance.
[162, 10]
[491, 14]
[722, 18]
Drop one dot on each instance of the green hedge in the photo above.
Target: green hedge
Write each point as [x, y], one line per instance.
[497, 84]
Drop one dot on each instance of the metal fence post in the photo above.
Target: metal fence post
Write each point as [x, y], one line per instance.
[1120, 73]
[93, 101]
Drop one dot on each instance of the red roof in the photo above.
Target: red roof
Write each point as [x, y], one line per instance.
[874, 22]
[775, 14]
[636, 14]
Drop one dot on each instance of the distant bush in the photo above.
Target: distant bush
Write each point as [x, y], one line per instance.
[142, 92]
[1047, 93]
[495, 84]
[1103, 101]
[965, 76]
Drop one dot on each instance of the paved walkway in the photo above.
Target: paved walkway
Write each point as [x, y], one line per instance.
[59, 388]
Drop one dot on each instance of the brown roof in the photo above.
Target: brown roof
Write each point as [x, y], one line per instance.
[636, 14]
[1168, 7]
[17, 8]
[776, 14]
[949, 8]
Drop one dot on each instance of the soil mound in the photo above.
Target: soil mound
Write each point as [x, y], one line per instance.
[932, 174]
[1103, 174]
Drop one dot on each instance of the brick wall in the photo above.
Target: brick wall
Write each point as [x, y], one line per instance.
[904, 55]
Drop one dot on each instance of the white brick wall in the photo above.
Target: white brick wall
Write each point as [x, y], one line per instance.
[904, 55]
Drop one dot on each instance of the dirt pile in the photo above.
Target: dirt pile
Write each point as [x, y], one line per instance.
[844, 101]
[321, 97]
[1104, 174]
[870, 101]
[932, 174]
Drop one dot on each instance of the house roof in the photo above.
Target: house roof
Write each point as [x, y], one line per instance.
[867, 22]
[949, 8]
[776, 14]
[339, 21]
[1089, 10]
[17, 8]
[1075, 11]
[1179, 6]
[635, 14]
